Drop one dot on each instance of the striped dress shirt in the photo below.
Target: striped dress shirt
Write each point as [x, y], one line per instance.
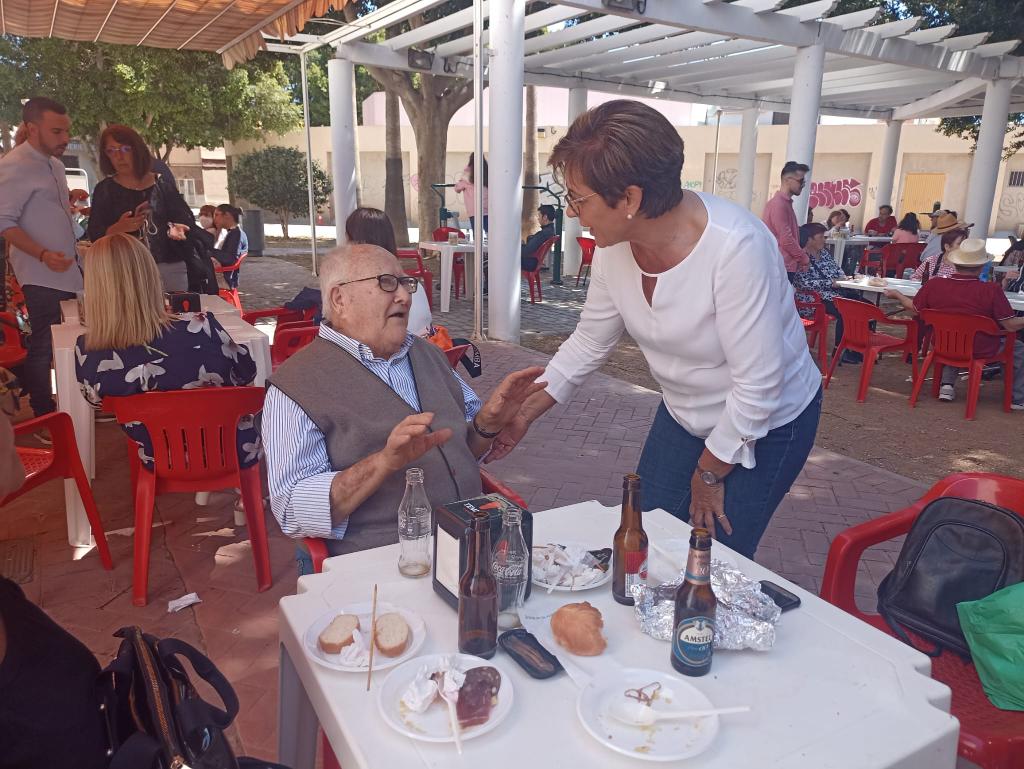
[299, 469]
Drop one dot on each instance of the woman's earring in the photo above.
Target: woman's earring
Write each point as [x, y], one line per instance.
[629, 216]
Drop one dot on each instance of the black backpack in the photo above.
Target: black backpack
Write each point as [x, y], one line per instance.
[957, 550]
[155, 718]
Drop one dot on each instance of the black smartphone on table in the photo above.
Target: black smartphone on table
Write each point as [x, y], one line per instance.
[784, 599]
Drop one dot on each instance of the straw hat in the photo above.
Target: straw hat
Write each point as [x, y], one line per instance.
[947, 222]
[971, 253]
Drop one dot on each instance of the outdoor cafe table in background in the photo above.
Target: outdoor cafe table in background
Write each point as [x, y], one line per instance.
[448, 253]
[70, 400]
[833, 692]
[911, 287]
[858, 244]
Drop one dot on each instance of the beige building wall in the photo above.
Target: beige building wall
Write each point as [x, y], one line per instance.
[845, 172]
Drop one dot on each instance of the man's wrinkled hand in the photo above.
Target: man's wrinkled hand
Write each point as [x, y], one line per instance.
[507, 439]
[411, 439]
[508, 398]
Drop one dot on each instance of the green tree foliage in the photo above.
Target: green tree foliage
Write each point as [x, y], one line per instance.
[275, 179]
[316, 77]
[173, 98]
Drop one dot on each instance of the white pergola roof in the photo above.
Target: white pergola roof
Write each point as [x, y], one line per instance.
[734, 55]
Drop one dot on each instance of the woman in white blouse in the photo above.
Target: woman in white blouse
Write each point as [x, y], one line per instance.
[698, 283]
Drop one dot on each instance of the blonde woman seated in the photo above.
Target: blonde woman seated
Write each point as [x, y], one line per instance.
[132, 345]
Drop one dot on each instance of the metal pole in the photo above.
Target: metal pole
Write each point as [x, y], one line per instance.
[309, 155]
[478, 157]
[714, 172]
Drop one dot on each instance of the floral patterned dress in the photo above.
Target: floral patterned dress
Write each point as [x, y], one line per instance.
[821, 272]
[194, 351]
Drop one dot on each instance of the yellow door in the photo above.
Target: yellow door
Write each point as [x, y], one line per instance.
[920, 191]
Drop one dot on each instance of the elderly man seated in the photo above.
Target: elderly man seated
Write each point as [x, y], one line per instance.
[346, 416]
[964, 292]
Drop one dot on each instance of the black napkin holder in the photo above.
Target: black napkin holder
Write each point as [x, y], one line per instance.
[450, 541]
[183, 301]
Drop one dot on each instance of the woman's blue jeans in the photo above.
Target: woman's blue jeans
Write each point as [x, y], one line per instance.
[670, 457]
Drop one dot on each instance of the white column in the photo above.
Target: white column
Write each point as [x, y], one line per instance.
[341, 90]
[507, 21]
[571, 229]
[981, 189]
[887, 169]
[803, 116]
[748, 157]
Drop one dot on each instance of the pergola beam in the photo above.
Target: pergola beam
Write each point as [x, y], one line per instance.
[931, 105]
[619, 47]
[386, 16]
[446, 26]
[534, 22]
[666, 43]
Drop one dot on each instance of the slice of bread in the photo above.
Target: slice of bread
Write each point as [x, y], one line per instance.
[392, 634]
[338, 634]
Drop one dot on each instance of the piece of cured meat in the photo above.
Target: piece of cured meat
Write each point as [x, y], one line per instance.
[477, 696]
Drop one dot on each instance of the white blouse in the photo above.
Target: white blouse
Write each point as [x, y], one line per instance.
[722, 336]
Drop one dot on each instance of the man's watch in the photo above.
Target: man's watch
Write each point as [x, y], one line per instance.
[708, 477]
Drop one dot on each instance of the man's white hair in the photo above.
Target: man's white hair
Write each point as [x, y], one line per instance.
[344, 263]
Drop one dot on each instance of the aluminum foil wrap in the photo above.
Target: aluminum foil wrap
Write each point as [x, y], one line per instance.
[745, 618]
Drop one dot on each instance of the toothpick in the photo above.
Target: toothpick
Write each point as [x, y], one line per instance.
[373, 636]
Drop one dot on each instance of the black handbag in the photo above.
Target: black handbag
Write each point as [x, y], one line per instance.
[155, 718]
[957, 550]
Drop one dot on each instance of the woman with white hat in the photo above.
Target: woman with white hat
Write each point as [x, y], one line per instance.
[964, 292]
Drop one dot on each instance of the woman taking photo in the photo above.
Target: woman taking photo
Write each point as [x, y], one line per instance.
[372, 226]
[134, 200]
[697, 282]
[132, 345]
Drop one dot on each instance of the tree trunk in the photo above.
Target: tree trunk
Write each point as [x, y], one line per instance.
[431, 138]
[530, 163]
[394, 178]
[284, 216]
[5, 138]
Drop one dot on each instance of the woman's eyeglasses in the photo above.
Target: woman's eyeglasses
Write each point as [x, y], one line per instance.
[122, 149]
[573, 204]
[389, 282]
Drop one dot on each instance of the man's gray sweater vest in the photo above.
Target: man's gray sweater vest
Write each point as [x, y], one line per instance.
[356, 411]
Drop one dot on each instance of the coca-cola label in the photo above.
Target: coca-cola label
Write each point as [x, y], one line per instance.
[692, 641]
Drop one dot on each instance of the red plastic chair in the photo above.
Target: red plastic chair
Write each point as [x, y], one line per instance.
[990, 737]
[223, 270]
[894, 257]
[282, 315]
[193, 435]
[12, 352]
[60, 461]
[455, 354]
[318, 552]
[440, 235]
[426, 276]
[952, 344]
[533, 276]
[858, 336]
[817, 327]
[587, 246]
[230, 295]
[289, 338]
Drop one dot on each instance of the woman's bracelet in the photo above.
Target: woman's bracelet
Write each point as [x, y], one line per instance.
[484, 433]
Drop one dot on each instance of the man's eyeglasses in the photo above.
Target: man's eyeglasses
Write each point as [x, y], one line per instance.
[573, 204]
[123, 149]
[389, 282]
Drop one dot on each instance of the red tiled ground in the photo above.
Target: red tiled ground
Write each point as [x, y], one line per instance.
[580, 451]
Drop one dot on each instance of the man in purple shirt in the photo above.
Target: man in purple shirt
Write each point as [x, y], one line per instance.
[781, 219]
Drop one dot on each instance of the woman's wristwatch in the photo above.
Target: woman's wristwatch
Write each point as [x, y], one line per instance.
[708, 477]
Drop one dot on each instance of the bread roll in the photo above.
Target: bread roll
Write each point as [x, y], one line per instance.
[391, 634]
[577, 627]
[338, 634]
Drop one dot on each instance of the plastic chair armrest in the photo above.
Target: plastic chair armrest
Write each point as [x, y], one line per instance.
[317, 551]
[492, 485]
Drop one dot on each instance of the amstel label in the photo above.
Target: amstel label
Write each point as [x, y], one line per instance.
[691, 643]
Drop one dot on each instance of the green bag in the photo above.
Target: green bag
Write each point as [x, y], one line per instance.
[994, 629]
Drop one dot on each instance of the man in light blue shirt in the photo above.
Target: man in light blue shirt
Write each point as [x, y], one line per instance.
[35, 218]
[366, 400]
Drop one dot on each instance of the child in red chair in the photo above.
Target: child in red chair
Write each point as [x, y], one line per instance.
[965, 293]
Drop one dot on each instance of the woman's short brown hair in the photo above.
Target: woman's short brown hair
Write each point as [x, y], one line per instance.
[950, 238]
[622, 143]
[142, 158]
[371, 225]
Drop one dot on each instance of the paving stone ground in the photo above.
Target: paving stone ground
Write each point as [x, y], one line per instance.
[579, 451]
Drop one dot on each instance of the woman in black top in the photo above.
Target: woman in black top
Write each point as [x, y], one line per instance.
[135, 200]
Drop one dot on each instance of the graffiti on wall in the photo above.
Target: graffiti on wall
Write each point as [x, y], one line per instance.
[1011, 206]
[836, 192]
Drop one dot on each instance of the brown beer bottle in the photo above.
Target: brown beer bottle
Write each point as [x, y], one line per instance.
[478, 594]
[695, 610]
[629, 548]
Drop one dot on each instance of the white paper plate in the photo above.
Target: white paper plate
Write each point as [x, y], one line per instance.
[663, 741]
[433, 724]
[570, 589]
[363, 611]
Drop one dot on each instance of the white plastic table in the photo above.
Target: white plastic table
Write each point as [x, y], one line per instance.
[448, 252]
[833, 693]
[839, 244]
[70, 400]
[911, 287]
